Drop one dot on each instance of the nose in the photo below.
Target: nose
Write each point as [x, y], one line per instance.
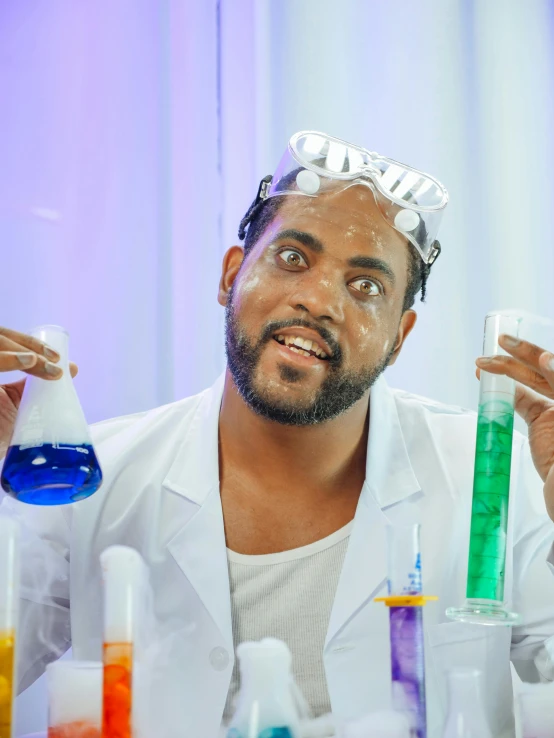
[320, 296]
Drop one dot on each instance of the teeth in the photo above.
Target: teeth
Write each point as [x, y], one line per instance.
[302, 345]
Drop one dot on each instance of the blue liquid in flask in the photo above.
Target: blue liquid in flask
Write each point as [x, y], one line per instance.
[51, 474]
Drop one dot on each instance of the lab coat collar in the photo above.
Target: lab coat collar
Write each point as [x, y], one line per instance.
[195, 470]
[390, 477]
[194, 475]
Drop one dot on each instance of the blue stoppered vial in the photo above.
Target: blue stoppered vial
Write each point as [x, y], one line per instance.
[51, 460]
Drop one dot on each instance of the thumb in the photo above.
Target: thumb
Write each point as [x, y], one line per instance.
[14, 391]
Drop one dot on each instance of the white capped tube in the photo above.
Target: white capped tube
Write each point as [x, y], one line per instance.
[124, 574]
[9, 572]
[75, 695]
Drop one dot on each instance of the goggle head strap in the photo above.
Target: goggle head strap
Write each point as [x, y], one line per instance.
[434, 253]
[253, 210]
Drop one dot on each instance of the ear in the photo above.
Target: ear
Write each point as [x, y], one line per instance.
[231, 264]
[407, 322]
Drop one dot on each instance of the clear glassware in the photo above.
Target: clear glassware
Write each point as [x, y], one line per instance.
[406, 626]
[74, 699]
[51, 460]
[466, 716]
[266, 705]
[9, 606]
[491, 489]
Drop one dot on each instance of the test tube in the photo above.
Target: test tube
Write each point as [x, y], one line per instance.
[124, 580]
[406, 626]
[74, 699]
[9, 599]
[491, 488]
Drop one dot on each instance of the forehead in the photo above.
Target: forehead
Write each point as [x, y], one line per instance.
[343, 218]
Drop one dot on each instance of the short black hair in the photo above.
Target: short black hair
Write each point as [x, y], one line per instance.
[262, 212]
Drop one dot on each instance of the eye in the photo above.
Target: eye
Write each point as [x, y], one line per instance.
[366, 286]
[292, 258]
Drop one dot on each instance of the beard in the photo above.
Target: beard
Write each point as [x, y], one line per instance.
[340, 390]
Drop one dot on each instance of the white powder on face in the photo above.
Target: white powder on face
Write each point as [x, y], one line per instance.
[248, 283]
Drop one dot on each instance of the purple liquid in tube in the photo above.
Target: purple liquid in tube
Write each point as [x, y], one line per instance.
[407, 666]
[406, 627]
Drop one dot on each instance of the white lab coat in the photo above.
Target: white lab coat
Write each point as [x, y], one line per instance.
[161, 496]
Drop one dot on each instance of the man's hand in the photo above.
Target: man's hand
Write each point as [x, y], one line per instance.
[533, 369]
[28, 354]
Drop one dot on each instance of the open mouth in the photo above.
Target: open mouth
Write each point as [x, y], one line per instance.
[302, 346]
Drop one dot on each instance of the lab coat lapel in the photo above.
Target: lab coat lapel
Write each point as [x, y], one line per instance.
[199, 547]
[390, 479]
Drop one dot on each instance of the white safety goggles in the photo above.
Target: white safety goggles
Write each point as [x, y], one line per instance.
[410, 200]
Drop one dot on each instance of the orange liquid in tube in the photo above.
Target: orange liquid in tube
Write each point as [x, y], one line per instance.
[7, 662]
[117, 695]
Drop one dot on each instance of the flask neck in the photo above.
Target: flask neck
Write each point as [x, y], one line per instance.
[466, 714]
[58, 339]
[265, 699]
[269, 678]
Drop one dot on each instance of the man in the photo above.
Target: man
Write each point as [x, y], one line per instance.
[261, 504]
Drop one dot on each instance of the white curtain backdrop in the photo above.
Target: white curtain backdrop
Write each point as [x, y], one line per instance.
[133, 134]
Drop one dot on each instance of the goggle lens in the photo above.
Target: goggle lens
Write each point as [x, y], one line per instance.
[333, 158]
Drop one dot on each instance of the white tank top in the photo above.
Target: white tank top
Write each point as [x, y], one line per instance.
[289, 595]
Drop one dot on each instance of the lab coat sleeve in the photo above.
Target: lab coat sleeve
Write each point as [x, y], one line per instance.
[44, 632]
[533, 583]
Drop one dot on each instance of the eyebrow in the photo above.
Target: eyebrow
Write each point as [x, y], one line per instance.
[356, 262]
[371, 262]
[306, 239]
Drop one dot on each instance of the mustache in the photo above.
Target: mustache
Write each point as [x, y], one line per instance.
[276, 325]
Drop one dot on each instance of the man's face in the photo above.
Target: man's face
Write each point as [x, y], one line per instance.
[329, 271]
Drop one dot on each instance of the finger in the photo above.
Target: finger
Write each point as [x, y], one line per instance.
[546, 364]
[11, 361]
[529, 404]
[527, 352]
[515, 369]
[41, 367]
[29, 342]
[73, 369]
[15, 391]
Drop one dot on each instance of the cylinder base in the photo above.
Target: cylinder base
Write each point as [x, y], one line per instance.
[483, 612]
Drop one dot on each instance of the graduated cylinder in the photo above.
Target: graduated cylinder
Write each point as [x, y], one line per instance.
[491, 481]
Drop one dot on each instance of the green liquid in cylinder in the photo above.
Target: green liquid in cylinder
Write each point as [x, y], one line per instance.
[491, 493]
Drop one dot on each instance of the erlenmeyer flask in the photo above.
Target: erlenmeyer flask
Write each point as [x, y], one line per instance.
[266, 706]
[50, 460]
[466, 716]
